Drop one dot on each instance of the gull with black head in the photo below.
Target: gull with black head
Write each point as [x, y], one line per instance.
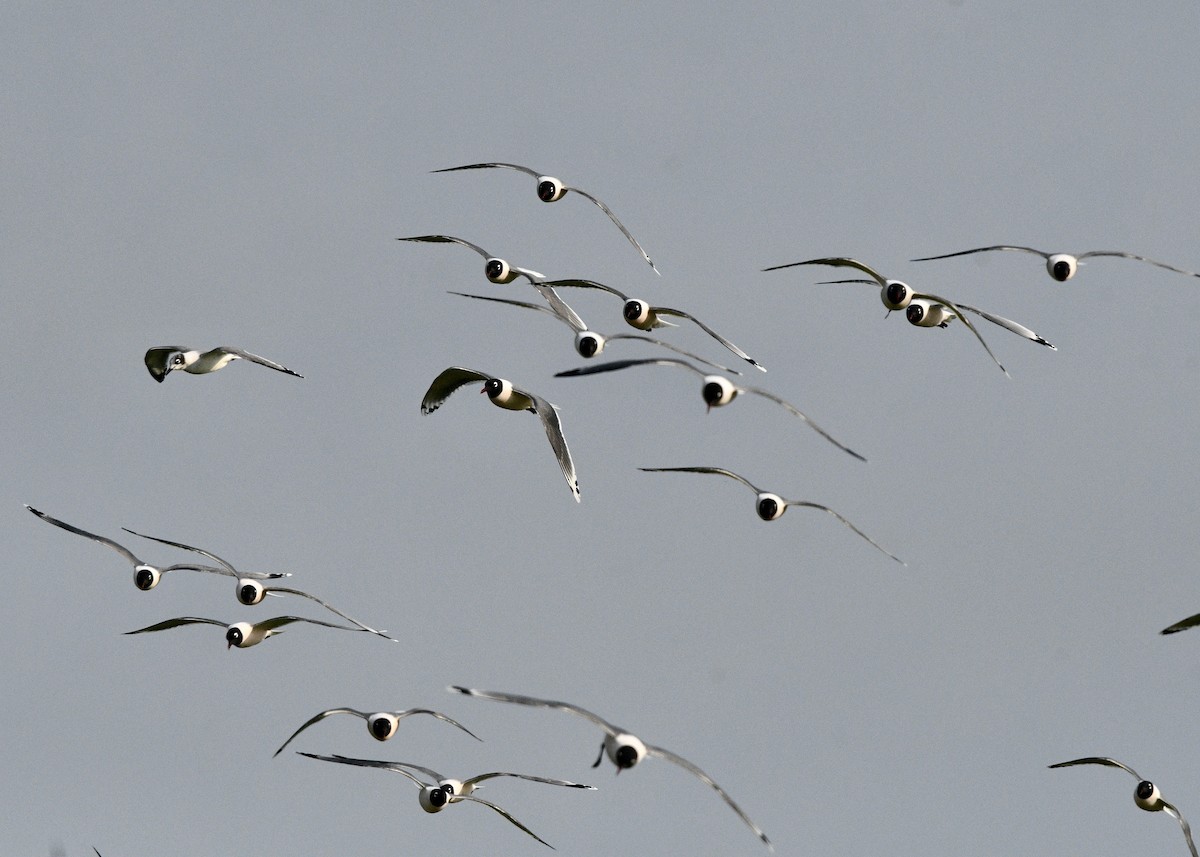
[164, 359]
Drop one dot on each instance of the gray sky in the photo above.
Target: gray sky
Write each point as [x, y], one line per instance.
[216, 176]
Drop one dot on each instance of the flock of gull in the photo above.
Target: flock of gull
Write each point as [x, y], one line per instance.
[624, 749]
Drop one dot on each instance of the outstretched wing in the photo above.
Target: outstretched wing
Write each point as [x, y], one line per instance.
[1182, 625]
[658, 310]
[836, 262]
[705, 778]
[613, 365]
[984, 250]
[1098, 760]
[175, 623]
[639, 338]
[718, 470]
[330, 608]
[280, 621]
[254, 358]
[503, 812]
[1009, 324]
[1121, 255]
[953, 307]
[398, 767]
[526, 305]
[525, 170]
[446, 383]
[538, 703]
[1170, 809]
[233, 571]
[618, 223]
[550, 782]
[317, 718]
[584, 284]
[847, 523]
[448, 239]
[550, 422]
[101, 539]
[789, 406]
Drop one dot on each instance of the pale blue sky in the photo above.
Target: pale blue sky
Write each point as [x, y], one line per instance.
[218, 176]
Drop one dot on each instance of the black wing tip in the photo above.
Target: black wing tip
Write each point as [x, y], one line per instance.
[1171, 630]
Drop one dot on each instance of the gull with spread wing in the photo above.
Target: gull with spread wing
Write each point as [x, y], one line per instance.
[381, 725]
[164, 359]
[241, 634]
[1061, 266]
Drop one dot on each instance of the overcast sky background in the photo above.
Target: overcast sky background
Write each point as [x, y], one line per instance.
[223, 176]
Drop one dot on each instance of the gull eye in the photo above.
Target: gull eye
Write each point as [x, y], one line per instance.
[177, 360]
[145, 577]
[550, 189]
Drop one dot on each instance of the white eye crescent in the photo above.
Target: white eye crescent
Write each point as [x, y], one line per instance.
[146, 577]
[770, 506]
[382, 726]
[718, 391]
[1062, 266]
[250, 592]
[550, 189]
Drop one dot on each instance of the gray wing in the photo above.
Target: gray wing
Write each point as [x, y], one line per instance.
[101, 539]
[175, 623]
[1009, 324]
[585, 284]
[613, 365]
[557, 304]
[446, 383]
[157, 358]
[789, 406]
[984, 250]
[400, 715]
[639, 338]
[280, 621]
[847, 523]
[658, 310]
[550, 782]
[549, 417]
[1182, 625]
[202, 552]
[448, 239]
[618, 223]
[254, 358]
[538, 703]
[836, 262]
[953, 307]
[317, 718]
[705, 778]
[1121, 255]
[503, 812]
[526, 305]
[1187, 828]
[718, 470]
[398, 767]
[525, 170]
[331, 609]
[1098, 760]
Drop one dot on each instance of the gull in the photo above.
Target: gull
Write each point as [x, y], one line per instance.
[768, 505]
[145, 576]
[251, 591]
[930, 310]
[381, 724]
[241, 634]
[589, 343]
[716, 390]
[443, 791]
[163, 359]
[645, 316]
[623, 748]
[1061, 266]
[499, 271]
[1145, 795]
[550, 189]
[504, 395]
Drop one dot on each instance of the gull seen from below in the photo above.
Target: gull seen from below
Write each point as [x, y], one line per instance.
[163, 359]
[624, 749]
[381, 725]
[504, 395]
[716, 390]
[241, 634]
[1145, 794]
[550, 189]
[443, 791]
[145, 576]
[768, 505]
[1061, 266]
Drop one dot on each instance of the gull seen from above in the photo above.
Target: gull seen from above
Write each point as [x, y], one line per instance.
[589, 343]
[716, 390]
[768, 505]
[624, 749]
[241, 634]
[1145, 794]
[550, 189]
[146, 576]
[503, 394]
[381, 725]
[163, 359]
[443, 791]
[1061, 266]
[251, 591]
